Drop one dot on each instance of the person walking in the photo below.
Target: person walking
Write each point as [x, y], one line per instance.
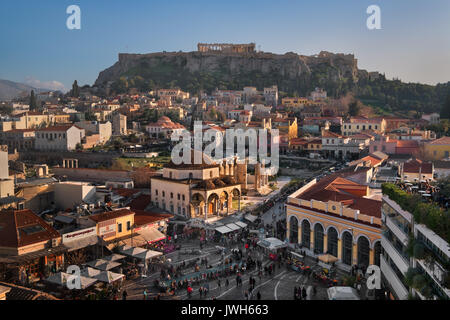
[218, 283]
[227, 283]
[124, 295]
[258, 296]
[145, 294]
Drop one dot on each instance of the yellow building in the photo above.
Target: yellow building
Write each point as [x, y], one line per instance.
[286, 126]
[438, 149]
[359, 124]
[114, 225]
[296, 102]
[333, 216]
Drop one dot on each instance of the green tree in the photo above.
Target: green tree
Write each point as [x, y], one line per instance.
[75, 89]
[33, 102]
[354, 109]
[445, 111]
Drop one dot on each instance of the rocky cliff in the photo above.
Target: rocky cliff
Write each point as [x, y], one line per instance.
[190, 70]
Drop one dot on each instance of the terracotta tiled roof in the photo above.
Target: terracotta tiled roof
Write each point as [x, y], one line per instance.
[140, 203]
[142, 217]
[20, 228]
[108, 215]
[441, 141]
[416, 166]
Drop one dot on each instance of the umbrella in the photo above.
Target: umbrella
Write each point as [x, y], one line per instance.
[103, 264]
[132, 251]
[328, 258]
[114, 257]
[148, 254]
[61, 278]
[108, 276]
[90, 272]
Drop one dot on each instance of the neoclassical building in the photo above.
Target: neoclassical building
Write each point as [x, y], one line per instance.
[199, 190]
[335, 215]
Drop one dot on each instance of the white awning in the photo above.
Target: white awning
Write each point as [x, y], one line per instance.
[241, 224]
[81, 243]
[152, 235]
[233, 226]
[223, 229]
[149, 254]
[251, 217]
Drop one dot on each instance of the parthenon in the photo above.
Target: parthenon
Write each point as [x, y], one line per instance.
[226, 47]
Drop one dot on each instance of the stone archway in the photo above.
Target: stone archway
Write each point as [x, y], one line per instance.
[236, 193]
[213, 204]
[293, 229]
[197, 205]
[347, 248]
[363, 252]
[377, 253]
[318, 238]
[224, 202]
[332, 238]
[306, 234]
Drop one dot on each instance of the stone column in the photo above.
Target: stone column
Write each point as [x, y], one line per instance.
[239, 203]
[311, 240]
[325, 243]
[206, 210]
[299, 236]
[339, 249]
[371, 256]
[355, 254]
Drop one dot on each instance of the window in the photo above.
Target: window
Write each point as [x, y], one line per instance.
[170, 174]
[156, 191]
[364, 127]
[128, 225]
[375, 148]
[183, 197]
[178, 196]
[164, 193]
[211, 174]
[446, 154]
[119, 227]
[190, 175]
[171, 195]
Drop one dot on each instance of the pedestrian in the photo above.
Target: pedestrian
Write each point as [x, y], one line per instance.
[227, 283]
[304, 293]
[145, 294]
[218, 283]
[258, 296]
[124, 295]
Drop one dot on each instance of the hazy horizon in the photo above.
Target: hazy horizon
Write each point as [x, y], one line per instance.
[38, 49]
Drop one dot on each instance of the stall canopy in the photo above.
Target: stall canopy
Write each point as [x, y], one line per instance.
[61, 279]
[131, 251]
[102, 276]
[272, 244]
[103, 264]
[251, 217]
[328, 258]
[233, 226]
[152, 235]
[149, 254]
[223, 229]
[342, 293]
[241, 224]
[114, 257]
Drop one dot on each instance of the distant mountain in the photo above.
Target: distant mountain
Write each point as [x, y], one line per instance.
[10, 90]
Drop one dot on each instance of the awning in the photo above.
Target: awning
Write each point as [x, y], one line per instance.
[223, 229]
[233, 226]
[82, 243]
[241, 224]
[152, 235]
[149, 254]
[251, 217]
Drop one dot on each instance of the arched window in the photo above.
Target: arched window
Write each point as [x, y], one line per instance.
[363, 251]
[318, 238]
[333, 242]
[347, 248]
[293, 226]
[306, 234]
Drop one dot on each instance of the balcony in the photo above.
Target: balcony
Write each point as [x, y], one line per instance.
[399, 259]
[394, 282]
[400, 231]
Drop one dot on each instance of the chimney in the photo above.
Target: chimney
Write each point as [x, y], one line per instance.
[341, 210]
[356, 214]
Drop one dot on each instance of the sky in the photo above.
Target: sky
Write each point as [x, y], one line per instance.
[37, 48]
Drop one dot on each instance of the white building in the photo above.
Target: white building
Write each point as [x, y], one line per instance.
[164, 128]
[59, 138]
[104, 130]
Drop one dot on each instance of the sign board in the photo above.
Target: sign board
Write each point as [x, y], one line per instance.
[107, 229]
[79, 234]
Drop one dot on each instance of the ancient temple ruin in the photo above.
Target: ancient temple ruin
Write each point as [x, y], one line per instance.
[226, 47]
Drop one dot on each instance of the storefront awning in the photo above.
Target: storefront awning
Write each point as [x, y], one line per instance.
[233, 226]
[81, 243]
[223, 229]
[251, 217]
[241, 224]
[152, 235]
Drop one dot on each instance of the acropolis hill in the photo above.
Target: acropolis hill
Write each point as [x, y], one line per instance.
[235, 65]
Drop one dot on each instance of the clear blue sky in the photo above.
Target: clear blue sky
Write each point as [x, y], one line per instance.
[36, 47]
